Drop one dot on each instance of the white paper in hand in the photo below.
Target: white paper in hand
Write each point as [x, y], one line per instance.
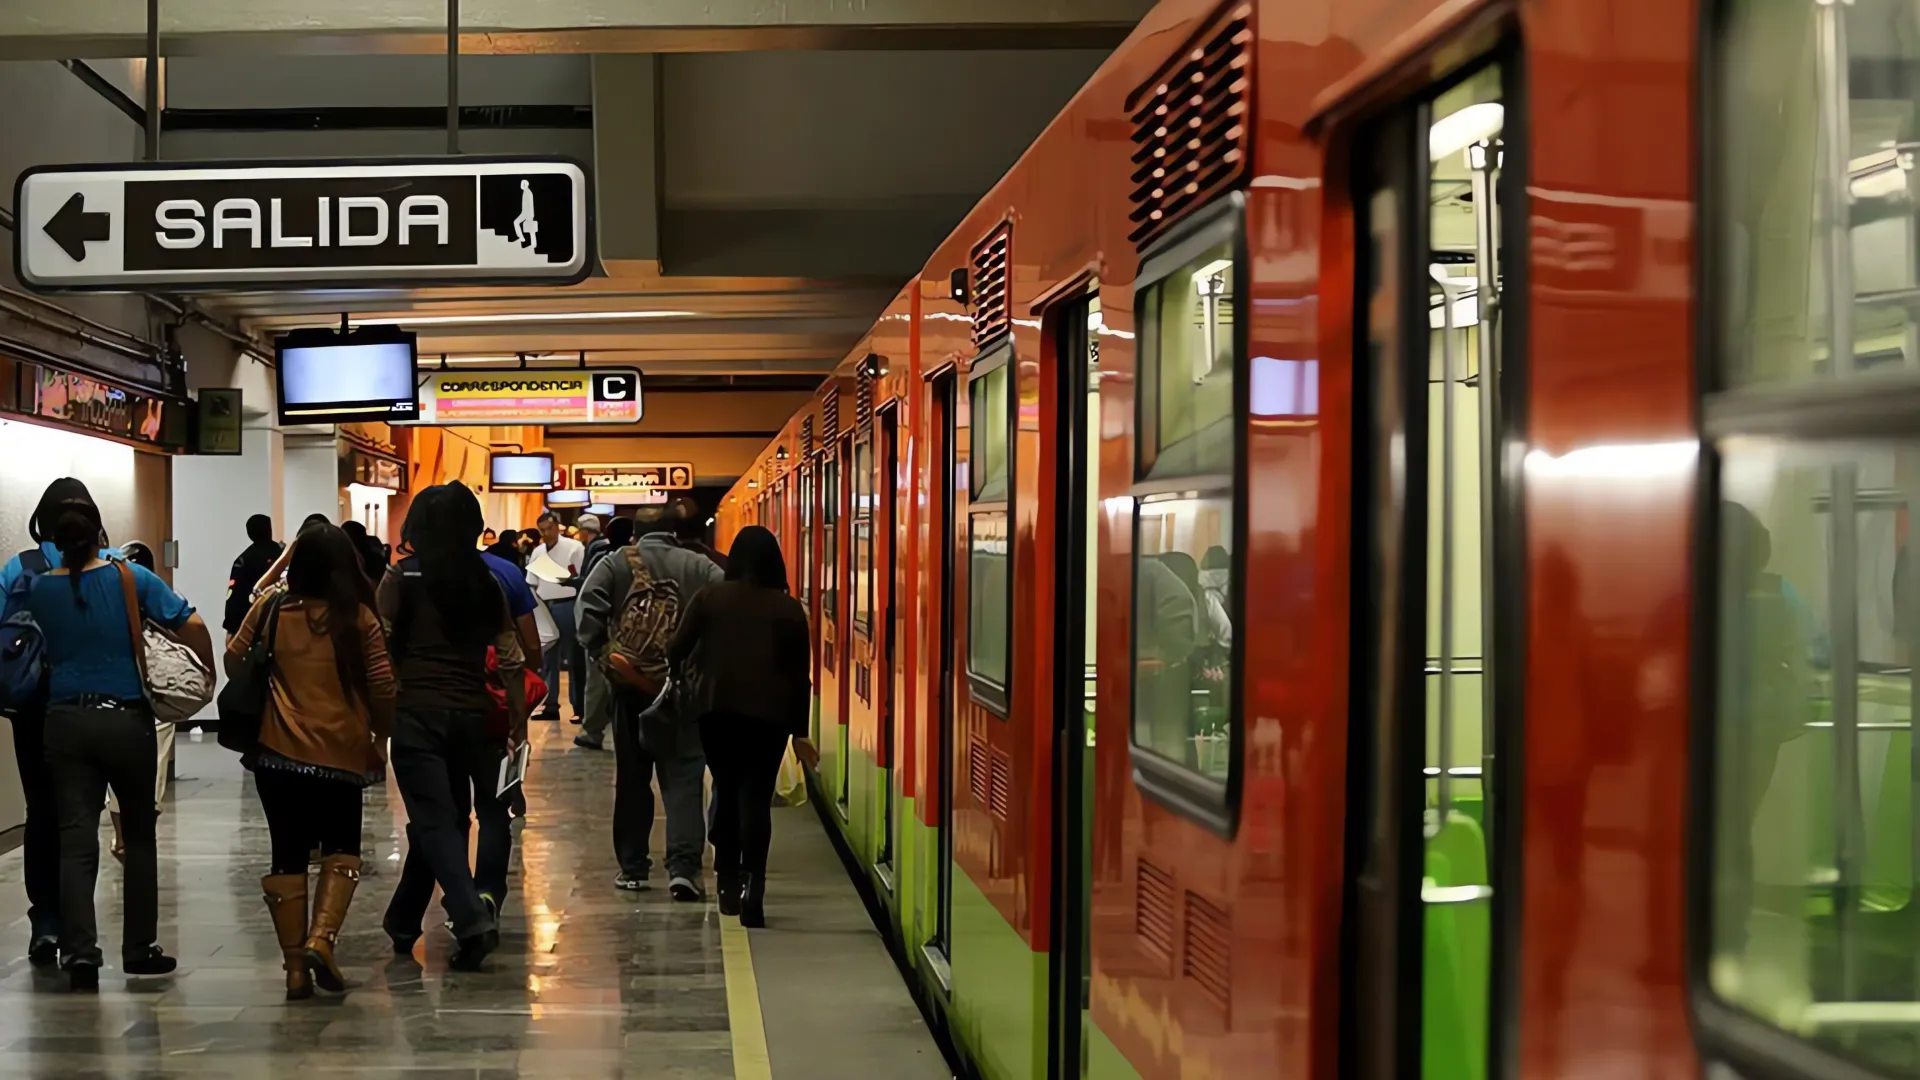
[543, 566]
[513, 769]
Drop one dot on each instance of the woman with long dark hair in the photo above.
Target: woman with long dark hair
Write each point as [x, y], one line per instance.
[100, 729]
[443, 608]
[742, 643]
[331, 699]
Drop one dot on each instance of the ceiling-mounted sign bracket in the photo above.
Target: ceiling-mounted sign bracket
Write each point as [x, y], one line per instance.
[393, 221]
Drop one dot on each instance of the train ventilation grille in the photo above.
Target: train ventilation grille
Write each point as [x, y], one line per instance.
[830, 413]
[1191, 124]
[1208, 956]
[863, 404]
[977, 774]
[992, 311]
[1000, 785]
[806, 438]
[1153, 911]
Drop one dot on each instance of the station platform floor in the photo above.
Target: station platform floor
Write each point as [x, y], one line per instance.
[589, 982]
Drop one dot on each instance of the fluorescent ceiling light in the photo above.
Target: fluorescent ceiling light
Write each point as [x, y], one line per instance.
[532, 317]
[1456, 131]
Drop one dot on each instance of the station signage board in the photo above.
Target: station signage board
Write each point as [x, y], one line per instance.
[634, 476]
[84, 402]
[579, 396]
[394, 221]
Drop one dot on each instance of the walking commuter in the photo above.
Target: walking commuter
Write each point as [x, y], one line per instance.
[507, 549]
[619, 534]
[275, 579]
[443, 609]
[41, 835]
[692, 535]
[568, 556]
[100, 728]
[743, 643]
[373, 553]
[495, 852]
[649, 741]
[248, 569]
[331, 699]
[139, 554]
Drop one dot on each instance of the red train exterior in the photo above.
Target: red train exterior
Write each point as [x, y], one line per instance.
[1590, 975]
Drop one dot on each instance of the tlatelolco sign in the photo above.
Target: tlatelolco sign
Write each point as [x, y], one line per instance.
[591, 396]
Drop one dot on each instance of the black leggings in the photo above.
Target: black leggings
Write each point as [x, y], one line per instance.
[744, 754]
[307, 812]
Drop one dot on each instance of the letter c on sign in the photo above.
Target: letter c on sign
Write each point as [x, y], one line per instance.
[614, 388]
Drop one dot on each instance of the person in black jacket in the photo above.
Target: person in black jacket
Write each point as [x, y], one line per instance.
[247, 570]
[743, 644]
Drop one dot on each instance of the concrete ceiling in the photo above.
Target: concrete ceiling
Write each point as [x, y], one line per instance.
[63, 29]
[755, 211]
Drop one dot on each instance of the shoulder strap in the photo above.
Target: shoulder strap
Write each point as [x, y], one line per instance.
[642, 577]
[132, 597]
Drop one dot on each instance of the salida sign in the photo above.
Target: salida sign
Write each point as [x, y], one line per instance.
[418, 222]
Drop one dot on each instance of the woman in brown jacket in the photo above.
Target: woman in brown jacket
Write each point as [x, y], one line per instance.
[331, 703]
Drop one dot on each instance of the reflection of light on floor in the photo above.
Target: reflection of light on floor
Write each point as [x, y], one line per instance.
[545, 933]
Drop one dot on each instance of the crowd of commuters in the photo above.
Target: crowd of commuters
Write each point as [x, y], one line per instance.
[431, 665]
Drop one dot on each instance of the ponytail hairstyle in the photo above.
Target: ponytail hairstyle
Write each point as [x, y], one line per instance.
[77, 533]
[443, 524]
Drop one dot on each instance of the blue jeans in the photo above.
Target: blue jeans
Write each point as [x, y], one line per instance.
[561, 657]
[445, 762]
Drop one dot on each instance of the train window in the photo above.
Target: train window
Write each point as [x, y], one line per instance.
[830, 535]
[1183, 631]
[863, 575]
[1186, 411]
[1813, 379]
[1187, 516]
[992, 423]
[989, 587]
[804, 556]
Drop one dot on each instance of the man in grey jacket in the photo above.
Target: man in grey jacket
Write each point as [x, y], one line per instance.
[648, 741]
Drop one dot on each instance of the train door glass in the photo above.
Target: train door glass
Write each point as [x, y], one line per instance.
[945, 404]
[1433, 377]
[1076, 326]
[1807, 591]
[884, 651]
[846, 644]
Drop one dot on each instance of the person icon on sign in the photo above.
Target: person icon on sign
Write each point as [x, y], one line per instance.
[526, 227]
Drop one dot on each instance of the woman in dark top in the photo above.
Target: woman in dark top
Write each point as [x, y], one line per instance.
[743, 642]
[443, 608]
[100, 730]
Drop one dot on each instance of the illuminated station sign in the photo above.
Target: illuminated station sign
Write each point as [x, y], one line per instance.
[583, 396]
[634, 476]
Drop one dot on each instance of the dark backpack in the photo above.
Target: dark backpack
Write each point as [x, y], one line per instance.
[23, 648]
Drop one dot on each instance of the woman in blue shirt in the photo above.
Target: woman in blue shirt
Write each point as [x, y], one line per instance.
[99, 731]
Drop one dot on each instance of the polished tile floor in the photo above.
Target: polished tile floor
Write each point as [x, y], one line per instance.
[589, 982]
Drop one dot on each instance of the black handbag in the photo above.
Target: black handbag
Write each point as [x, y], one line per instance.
[243, 701]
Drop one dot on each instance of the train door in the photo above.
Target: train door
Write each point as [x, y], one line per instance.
[1425, 900]
[944, 393]
[886, 640]
[844, 469]
[1076, 457]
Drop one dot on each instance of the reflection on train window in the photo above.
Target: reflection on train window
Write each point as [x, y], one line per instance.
[991, 421]
[830, 538]
[1183, 632]
[863, 575]
[989, 625]
[1814, 809]
[1186, 413]
[862, 477]
[805, 554]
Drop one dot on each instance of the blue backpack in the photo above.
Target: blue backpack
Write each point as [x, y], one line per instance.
[23, 649]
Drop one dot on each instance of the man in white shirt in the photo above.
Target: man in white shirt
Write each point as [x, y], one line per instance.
[568, 555]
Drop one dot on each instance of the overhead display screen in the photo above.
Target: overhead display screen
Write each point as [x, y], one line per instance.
[330, 378]
[520, 472]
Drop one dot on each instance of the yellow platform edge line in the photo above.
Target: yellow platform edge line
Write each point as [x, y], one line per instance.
[744, 1019]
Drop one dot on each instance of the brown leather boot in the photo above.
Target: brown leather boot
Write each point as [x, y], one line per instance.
[286, 896]
[339, 874]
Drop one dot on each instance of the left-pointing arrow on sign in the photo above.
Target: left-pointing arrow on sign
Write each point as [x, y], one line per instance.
[72, 227]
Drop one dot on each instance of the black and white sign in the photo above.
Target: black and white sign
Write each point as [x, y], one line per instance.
[414, 222]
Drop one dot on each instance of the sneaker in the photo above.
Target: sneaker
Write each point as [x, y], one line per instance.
[493, 912]
[84, 978]
[471, 952]
[548, 716]
[685, 890]
[630, 882]
[43, 950]
[149, 961]
[588, 744]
